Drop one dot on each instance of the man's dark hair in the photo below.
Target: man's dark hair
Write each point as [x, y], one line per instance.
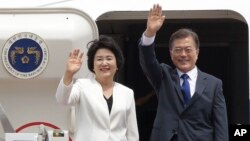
[183, 33]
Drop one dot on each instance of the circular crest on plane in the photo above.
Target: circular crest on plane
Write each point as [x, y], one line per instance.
[25, 55]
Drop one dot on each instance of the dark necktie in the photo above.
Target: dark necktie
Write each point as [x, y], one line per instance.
[185, 88]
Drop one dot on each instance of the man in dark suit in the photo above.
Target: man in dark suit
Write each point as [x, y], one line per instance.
[190, 108]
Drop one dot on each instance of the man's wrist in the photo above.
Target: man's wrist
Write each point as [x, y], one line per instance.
[147, 40]
[149, 33]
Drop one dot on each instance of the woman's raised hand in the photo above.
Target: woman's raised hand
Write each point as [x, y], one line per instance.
[74, 64]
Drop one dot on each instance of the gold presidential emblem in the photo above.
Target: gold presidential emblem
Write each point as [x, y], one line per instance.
[25, 55]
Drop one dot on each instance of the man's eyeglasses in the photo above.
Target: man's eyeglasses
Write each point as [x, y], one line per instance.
[178, 50]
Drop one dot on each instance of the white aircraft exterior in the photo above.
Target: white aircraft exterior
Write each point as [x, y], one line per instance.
[29, 98]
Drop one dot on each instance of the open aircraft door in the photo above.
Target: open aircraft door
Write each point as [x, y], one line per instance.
[34, 46]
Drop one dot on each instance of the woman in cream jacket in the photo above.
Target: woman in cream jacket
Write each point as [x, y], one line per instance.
[105, 108]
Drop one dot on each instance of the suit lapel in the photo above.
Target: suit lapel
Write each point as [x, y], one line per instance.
[115, 98]
[176, 80]
[200, 86]
[99, 97]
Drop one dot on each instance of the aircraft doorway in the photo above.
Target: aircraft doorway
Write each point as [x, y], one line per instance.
[224, 53]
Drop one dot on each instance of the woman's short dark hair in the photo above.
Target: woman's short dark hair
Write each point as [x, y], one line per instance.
[183, 33]
[104, 42]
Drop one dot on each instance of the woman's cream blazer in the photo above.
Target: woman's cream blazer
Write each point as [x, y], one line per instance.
[93, 121]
